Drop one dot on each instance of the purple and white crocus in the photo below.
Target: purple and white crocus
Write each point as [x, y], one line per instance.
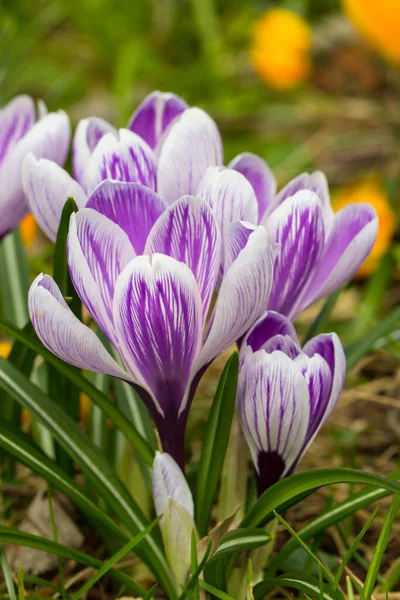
[285, 393]
[151, 295]
[25, 128]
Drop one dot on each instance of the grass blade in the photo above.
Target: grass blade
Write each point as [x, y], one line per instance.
[215, 443]
[7, 574]
[14, 279]
[306, 585]
[215, 591]
[139, 444]
[20, 538]
[107, 565]
[380, 548]
[323, 317]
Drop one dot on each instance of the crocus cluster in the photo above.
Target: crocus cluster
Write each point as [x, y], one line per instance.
[176, 257]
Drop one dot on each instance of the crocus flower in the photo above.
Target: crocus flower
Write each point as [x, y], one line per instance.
[319, 250]
[153, 308]
[22, 132]
[285, 393]
[173, 499]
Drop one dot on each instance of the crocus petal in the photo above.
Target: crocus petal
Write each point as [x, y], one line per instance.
[298, 227]
[132, 206]
[154, 114]
[187, 231]
[257, 172]
[274, 411]
[16, 118]
[318, 376]
[87, 135]
[230, 196]
[127, 158]
[158, 319]
[48, 138]
[170, 482]
[191, 145]
[315, 182]
[330, 348]
[63, 334]
[235, 240]
[47, 187]
[98, 250]
[351, 240]
[243, 295]
[269, 325]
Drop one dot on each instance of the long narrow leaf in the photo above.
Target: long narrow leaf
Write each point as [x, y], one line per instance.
[9, 535]
[215, 443]
[113, 413]
[306, 585]
[14, 279]
[323, 317]
[93, 465]
[7, 574]
[281, 492]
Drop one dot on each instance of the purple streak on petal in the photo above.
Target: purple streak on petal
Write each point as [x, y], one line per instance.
[132, 206]
[257, 172]
[298, 227]
[191, 145]
[243, 295]
[16, 118]
[47, 187]
[318, 375]
[237, 236]
[48, 138]
[351, 240]
[269, 325]
[273, 407]
[87, 135]
[187, 231]
[158, 318]
[63, 334]
[230, 196]
[330, 348]
[170, 482]
[98, 250]
[128, 158]
[154, 114]
[284, 343]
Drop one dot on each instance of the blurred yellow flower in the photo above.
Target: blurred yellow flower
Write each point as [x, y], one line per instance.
[5, 348]
[372, 191]
[280, 48]
[28, 229]
[378, 21]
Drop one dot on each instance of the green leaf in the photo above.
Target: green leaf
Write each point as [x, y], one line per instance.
[92, 464]
[354, 352]
[215, 443]
[290, 487]
[139, 444]
[249, 581]
[14, 279]
[21, 588]
[343, 510]
[193, 582]
[240, 540]
[7, 574]
[108, 565]
[380, 548]
[215, 591]
[323, 317]
[9, 535]
[306, 585]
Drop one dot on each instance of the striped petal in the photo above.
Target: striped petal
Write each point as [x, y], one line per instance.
[230, 196]
[132, 206]
[47, 187]
[237, 236]
[257, 172]
[158, 319]
[98, 250]
[154, 114]
[16, 118]
[274, 410]
[87, 135]
[187, 231]
[297, 226]
[351, 240]
[63, 334]
[127, 158]
[191, 145]
[269, 326]
[243, 295]
[170, 482]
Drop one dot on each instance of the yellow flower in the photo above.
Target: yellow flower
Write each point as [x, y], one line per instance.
[5, 348]
[378, 21]
[373, 192]
[28, 229]
[280, 48]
